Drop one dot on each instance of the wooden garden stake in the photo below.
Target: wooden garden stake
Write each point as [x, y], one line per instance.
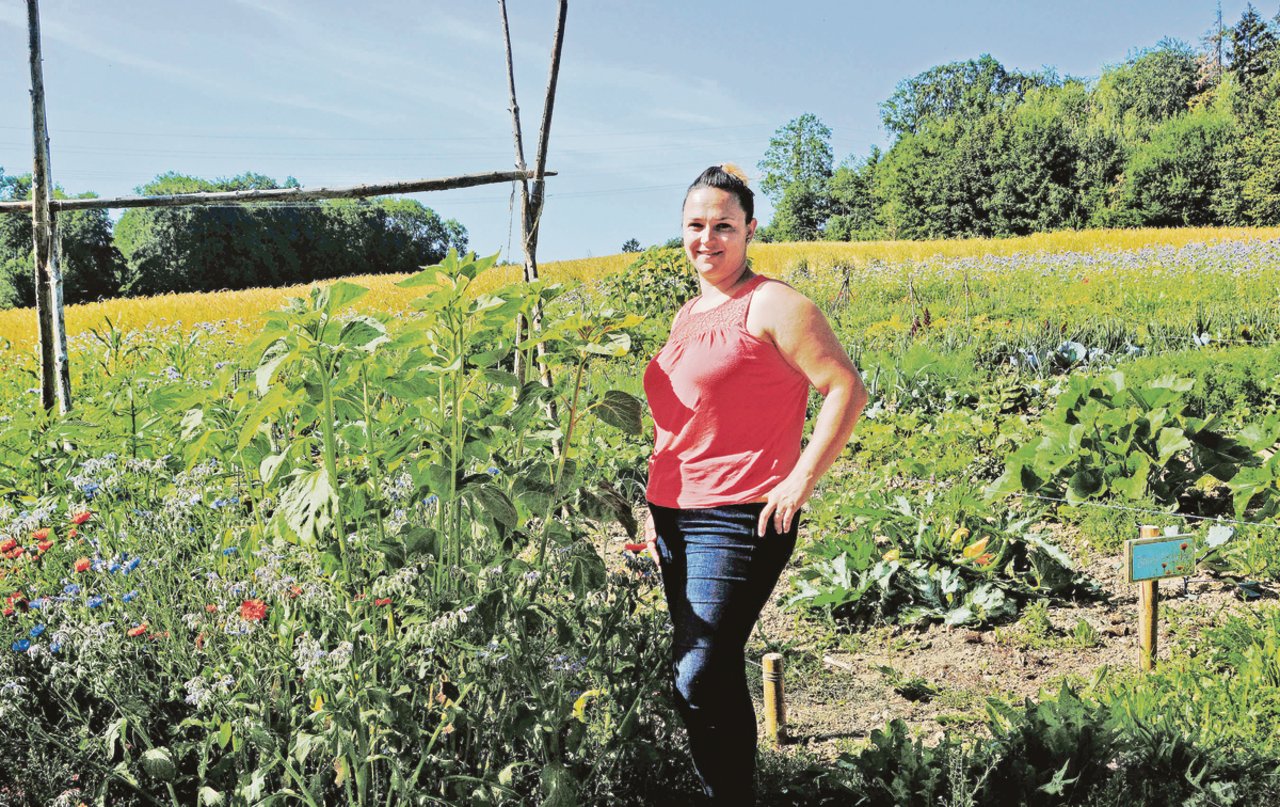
[1148, 612]
[775, 709]
[1148, 559]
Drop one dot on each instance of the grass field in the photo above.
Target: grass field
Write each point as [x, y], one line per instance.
[241, 309]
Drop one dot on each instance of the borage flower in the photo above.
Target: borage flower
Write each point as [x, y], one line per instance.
[21, 646]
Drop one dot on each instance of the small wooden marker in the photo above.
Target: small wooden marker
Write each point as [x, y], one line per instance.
[1148, 611]
[775, 709]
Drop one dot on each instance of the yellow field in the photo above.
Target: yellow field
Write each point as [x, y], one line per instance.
[241, 309]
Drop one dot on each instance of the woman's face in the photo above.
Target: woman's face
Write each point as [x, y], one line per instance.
[716, 233]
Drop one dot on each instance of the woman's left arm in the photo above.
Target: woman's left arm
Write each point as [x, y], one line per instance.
[805, 339]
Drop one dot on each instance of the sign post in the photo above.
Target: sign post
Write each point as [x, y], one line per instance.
[1148, 559]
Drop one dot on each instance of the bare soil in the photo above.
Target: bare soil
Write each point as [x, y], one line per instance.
[843, 682]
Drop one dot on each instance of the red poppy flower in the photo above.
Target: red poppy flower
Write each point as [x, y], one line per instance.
[41, 534]
[7, 544]
[73, 533]
[294, 591]
[383, 601]
[44, 546]
[211, 608]
[253, 610]
[634, 547]
[7, 612]
[200, 642]
[81, 517]
[82, 565]
[138, 631]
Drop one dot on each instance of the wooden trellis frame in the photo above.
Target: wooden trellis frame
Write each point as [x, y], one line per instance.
[55, 381]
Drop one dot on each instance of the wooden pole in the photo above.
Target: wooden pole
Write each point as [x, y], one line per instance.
[531, 200]
[1148, 611]
[775, 709]
[55, 380]
[281, 194]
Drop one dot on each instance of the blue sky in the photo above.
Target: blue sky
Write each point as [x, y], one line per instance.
[650, 92]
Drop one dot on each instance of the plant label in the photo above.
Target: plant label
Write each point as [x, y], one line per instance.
[1159, 557]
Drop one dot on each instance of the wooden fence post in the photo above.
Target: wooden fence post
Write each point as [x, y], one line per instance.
[55, 380]
[775, 708]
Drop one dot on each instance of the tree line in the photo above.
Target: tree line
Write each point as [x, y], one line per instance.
[1175, 135]
[181, 249]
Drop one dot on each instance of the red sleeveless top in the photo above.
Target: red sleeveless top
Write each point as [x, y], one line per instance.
[728, 410]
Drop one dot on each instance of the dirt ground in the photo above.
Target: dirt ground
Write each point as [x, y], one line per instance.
[841, 684]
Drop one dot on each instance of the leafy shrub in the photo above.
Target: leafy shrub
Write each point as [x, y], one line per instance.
[1106, 438]
[945, 557]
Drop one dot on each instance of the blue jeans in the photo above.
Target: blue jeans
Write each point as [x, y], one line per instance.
[717, 574]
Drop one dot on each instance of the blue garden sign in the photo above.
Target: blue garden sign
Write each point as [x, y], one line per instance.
[1159, 557]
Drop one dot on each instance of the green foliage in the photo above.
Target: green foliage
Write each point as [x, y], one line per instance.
[1164, 138]
[234, 247]
[1108, 439]
[967, 89]
[1173, 179]
[368, 576]
[90, 263]
[946, 557]
[798, 153]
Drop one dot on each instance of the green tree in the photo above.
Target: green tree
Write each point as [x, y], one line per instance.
[1035, 158]
[1251, 48]
[851, 199]
[1173, 179]
[798, 215]
[91, 265]
[1150, 86]
[799, 151]
[970, 89]
[631, 245]
[204, 248]
[935, 183]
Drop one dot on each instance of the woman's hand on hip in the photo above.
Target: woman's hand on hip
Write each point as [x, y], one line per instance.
[783, 503]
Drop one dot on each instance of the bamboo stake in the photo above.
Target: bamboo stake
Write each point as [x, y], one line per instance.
[775, 709]
[281, 194]
[1148, 612]
[55, 381]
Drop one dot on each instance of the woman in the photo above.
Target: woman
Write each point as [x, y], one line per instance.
[727, 480]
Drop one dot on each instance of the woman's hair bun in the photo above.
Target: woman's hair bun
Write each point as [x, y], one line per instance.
[729, 178]
[737, 173]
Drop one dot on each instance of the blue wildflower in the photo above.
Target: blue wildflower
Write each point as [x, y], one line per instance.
[132, 564]
[22, 645]
[95, 601]
[131, 596]
[36, 604]
[231, 550]
[36, 631]
[55, 646]
[71, 588]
